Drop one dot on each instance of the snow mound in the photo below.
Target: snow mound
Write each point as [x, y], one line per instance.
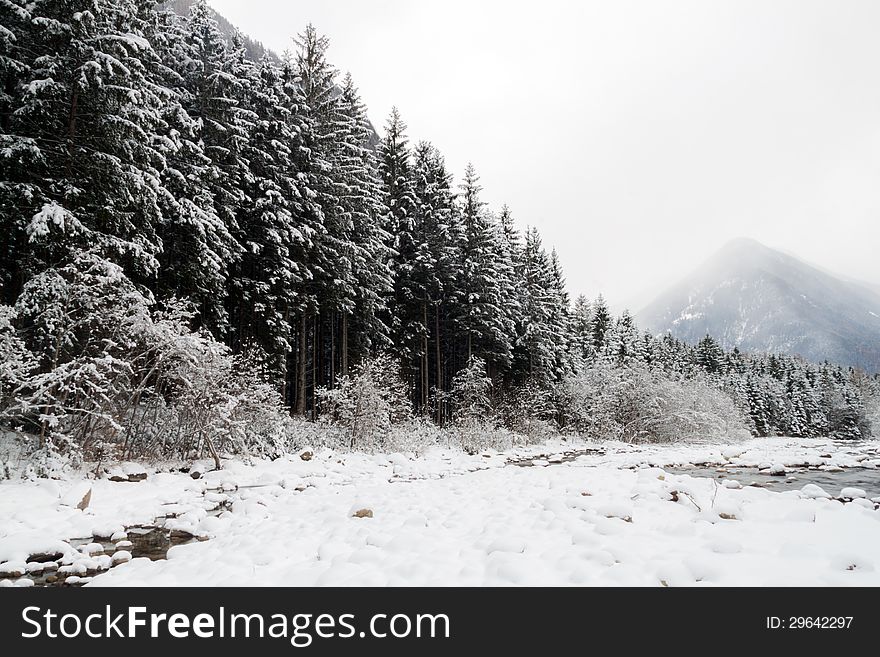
[853, 493]
[813, 492]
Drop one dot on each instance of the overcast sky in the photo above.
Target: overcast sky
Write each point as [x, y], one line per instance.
[637, 136]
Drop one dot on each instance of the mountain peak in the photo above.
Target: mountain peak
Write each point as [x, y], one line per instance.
[743, 243]
[753, 297]
[741, 247]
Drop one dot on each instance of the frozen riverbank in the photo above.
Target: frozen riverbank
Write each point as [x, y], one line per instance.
[608, 516]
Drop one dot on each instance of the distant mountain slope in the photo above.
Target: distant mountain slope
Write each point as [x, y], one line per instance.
[758, 299]
[255, 50]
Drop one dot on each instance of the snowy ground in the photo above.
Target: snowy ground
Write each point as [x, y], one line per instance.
[445, 518]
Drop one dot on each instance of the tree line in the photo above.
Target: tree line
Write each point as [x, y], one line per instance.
[172, 209]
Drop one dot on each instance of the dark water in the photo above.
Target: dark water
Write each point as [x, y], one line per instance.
[556, 458]
[150, 542]
[868, 479]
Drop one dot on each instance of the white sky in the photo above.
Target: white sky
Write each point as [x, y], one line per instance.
[637, 136]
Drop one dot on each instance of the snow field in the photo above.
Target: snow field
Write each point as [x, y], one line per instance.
[446, 518]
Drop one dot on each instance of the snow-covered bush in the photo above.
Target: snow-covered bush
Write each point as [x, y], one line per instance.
[639, 404]
[366, 404]
[474, 436]
[419, 434]
[529, 410]
[204, 399]
[415, 436]
[371, 411]
[75, 320]
[473, 418]
[93, 369]
[470, 392]
[16, 364]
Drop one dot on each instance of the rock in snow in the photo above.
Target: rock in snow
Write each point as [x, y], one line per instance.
[853, 493]
[13, 569]
[732, 452]
[79, 496]
[812, 492]
[120, 556]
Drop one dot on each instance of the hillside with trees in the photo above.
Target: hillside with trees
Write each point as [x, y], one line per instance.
[205, 254]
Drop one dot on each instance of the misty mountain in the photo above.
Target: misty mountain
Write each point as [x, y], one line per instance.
[759, 299]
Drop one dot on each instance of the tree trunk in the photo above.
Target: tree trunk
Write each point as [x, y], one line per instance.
[424, 365]
[332, 349]
[71, 126]
[283, 359]
[213, 451]
[314, 413]
[439, 371]
[345, 344]
[301, 366]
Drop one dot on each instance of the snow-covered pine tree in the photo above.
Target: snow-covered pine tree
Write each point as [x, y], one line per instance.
[582, 341]
[212, 74]
[348, 261]
[15, 18]
[359, 320]
[77, 319]
[600, 323]
[17, 365]
[276, 230]
[87, 111]
[18, 151]
[197, 247]
[560, 318]
[709, 355]
[669, 353]
[647, 348]
[506, 248]
[398, 184]
[534, 351]
[509, 234]
[483, 317]
[471, 392]
[331, 264]
[622, 341]
[511, 248]
[433, 270]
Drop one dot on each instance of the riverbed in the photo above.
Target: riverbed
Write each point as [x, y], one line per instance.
[763, 512]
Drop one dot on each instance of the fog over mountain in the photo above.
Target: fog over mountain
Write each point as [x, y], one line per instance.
[759, 299]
